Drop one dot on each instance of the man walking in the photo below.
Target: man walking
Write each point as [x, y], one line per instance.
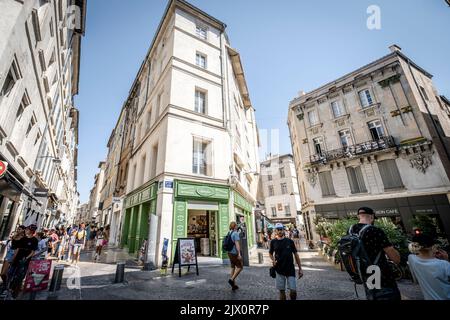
[283, 262]
[377, 246]
[80, 241]
[234, 254]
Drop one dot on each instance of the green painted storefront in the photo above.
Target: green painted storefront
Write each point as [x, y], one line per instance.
[138, 207]
[220, 195]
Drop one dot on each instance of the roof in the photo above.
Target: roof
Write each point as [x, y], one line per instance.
[360, 70]
[240, 77]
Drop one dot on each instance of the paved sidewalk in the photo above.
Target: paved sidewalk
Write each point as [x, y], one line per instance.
[94, 281]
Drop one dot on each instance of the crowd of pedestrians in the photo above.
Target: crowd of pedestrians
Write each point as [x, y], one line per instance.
[61, 244]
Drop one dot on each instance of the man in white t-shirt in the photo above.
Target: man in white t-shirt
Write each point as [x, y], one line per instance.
[431, 269]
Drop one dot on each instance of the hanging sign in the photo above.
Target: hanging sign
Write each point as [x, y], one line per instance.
[3, 167]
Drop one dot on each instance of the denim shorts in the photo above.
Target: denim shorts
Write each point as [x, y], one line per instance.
[281, 281]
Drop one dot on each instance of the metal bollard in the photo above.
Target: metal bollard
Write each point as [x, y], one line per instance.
[148, 266]
[120, 272]
[260, 258]
[55, 284]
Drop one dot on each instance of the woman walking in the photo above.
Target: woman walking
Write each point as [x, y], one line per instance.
[99, 242]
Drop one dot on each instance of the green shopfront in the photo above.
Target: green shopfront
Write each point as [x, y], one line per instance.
[202, 211]
[138, 206]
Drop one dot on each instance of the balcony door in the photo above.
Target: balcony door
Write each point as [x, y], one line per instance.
[376, 130]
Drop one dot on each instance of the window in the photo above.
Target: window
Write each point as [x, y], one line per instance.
[200, 60]
[356, 180]
[326, 184]
[424, 93]
[149, 119]
[389, 174]
[24, 103]
[274, 211]
[269, 177]
[200, 101]
[200, 157]
[201, 31]
[38, 136]
[42, 60]
[52, 31]
[345, 137]
[52, 59]
[36, 27]
[365, 98]
[318, 146]
[158, 103]
[11, 78]
[337, 109]
[282, 174]
[271, 193]
[313, 119]
[284, 189]
[30, 125]
[287, 210]
[376, 130]
[154, 161]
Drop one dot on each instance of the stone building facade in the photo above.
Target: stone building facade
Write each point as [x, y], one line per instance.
[39, 74]
[188, 158]
[379, 137]
[279, 186]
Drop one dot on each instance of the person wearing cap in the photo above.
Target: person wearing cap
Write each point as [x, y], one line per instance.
[25, 250]
[281, 252]
[431, 268]
[376, 245]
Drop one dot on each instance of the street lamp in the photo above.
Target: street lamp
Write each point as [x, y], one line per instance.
[54, 159]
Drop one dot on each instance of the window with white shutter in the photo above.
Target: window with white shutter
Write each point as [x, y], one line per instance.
[390, 174]
[326, 183]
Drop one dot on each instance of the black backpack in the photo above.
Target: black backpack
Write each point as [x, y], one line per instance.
[228, 242]
[354, 256]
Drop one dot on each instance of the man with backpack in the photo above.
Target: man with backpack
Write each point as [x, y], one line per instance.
[367, 246]
[232, 246]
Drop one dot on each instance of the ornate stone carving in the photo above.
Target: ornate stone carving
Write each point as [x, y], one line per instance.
[312, 178]
[421, 161]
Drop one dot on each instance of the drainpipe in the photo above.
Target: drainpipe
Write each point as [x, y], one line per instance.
[428, 111]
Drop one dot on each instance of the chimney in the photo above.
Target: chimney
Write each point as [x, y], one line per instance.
[395, 48]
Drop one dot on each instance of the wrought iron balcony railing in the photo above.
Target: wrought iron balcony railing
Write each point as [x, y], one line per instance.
[354, 150]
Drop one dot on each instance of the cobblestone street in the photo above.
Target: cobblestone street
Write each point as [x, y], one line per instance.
[321, 281]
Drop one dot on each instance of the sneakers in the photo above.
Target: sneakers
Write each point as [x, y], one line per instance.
[232, 284]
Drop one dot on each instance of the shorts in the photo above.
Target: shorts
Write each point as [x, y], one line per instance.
[281, 280]
[99, 243]
[77, 248]
[235, 262]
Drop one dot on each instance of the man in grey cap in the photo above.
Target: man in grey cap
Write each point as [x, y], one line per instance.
[283, 262]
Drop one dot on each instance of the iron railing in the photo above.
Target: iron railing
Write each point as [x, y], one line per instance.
[354, 150]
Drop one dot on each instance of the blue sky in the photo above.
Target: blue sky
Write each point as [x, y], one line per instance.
[286, 46]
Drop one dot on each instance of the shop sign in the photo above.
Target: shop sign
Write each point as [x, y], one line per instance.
[168, 184]
[205, 191]
[3, 167]
[387, 212]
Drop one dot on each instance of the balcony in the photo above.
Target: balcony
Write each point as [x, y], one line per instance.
[354, 150]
